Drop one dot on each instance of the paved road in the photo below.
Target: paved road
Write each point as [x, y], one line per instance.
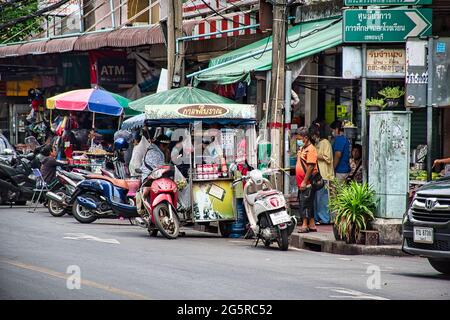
[120, 261]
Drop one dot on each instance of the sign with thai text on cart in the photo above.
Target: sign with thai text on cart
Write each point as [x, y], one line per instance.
[386, 25]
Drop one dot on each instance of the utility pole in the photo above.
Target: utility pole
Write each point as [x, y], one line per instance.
[175, 51]
[277, 81]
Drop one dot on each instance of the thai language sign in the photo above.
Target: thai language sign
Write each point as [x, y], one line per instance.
[386, 2]
[386, 25]
[386, 63]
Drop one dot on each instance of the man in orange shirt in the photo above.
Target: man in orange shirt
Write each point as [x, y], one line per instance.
[305, 168]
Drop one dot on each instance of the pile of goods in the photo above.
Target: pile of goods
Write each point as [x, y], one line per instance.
[421, 175]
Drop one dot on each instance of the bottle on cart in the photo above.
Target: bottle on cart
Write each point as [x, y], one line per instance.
[224, 168]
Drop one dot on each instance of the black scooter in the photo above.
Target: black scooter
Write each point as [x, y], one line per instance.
[17, 180]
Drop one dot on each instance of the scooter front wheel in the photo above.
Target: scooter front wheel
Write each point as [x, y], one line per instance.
[168, 224]
[82, 214]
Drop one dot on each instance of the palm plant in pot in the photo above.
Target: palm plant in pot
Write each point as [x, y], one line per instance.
[353, 206]
[374, 104]
[392, 95]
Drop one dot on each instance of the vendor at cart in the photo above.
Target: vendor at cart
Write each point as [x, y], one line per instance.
[155, 155]
[445, 162]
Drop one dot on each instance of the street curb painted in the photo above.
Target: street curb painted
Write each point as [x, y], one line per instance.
[325, 242]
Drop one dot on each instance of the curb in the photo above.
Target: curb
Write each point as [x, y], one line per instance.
[324, 242]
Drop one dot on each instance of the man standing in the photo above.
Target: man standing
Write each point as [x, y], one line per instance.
[341, 151]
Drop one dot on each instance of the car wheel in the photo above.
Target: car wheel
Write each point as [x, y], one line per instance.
[441, 265]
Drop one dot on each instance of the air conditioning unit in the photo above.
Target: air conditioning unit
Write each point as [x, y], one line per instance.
[71, 24]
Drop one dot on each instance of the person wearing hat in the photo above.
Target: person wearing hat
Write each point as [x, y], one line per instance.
[155, 155]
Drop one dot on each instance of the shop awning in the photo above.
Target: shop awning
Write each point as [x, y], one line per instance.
[304, 40]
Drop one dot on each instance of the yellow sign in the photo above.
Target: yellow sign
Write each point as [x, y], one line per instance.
[20, 88]
[213, 200]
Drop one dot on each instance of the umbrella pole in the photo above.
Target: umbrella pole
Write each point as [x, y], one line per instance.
[93, 120]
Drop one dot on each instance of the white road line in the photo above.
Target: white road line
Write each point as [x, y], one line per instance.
[83, 236]
[351, 294]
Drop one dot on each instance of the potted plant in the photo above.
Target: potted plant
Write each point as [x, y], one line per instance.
[374, 104]
[392, 95]
[353, 207]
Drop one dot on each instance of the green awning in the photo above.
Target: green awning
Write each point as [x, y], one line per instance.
[184, 95]
[304, 40]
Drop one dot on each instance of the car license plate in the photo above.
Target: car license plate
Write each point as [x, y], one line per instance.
[423, 235]
[280, 217]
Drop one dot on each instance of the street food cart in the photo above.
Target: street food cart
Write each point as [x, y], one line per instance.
[213, 137]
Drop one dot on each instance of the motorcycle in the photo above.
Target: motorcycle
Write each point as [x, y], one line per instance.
[266, 210]
[104, 197]
[100, 197]
[159, 199]
[58, 201]
[17, 180]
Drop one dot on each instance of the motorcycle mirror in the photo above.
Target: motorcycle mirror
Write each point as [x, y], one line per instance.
[8, 152]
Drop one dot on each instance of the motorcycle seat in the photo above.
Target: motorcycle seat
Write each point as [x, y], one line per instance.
[73, 176]
[117, 182]
[133, 185]
[267, 193]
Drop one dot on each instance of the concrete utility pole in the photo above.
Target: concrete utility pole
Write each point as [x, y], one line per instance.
[277, 81]
[175, 52]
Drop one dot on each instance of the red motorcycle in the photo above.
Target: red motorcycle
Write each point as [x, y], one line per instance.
[159, 198]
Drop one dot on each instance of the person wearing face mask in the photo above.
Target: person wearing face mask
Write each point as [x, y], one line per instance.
[325, 163]
[341, 151]
[305, 168]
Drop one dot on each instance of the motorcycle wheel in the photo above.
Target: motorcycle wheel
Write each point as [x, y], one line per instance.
[153, 233]
[283, 240]
[81, 214]
[168, 227]
[56, 209]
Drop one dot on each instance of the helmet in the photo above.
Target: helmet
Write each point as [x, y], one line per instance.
[120, 143]
[257, 177]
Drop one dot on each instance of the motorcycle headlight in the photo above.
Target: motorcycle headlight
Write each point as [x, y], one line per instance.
[156, 174]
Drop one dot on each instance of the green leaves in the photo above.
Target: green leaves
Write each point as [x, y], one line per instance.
[392, 92]
[20, 31]
[353, 206]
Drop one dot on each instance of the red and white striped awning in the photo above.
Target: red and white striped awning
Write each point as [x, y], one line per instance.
[233, 21]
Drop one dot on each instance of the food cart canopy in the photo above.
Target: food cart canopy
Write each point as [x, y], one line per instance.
[134, 122]
[207, 113]
[184, 95]
[94, 100]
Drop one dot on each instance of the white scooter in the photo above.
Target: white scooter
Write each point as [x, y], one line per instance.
[266, 210]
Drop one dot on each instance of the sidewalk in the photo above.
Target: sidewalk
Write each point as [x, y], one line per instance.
[323, 241]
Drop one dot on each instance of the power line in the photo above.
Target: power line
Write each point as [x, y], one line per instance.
[218, 13]
[33, 15]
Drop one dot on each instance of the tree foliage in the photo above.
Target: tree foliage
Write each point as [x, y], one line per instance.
[23, 30]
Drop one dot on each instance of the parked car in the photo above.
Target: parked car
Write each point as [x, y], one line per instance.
[426, 224]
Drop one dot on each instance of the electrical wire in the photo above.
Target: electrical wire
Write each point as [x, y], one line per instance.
[38, 13]
[219, 14]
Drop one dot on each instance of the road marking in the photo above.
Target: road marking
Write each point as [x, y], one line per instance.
[83, 236]
[351, 294]
[89, 283]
